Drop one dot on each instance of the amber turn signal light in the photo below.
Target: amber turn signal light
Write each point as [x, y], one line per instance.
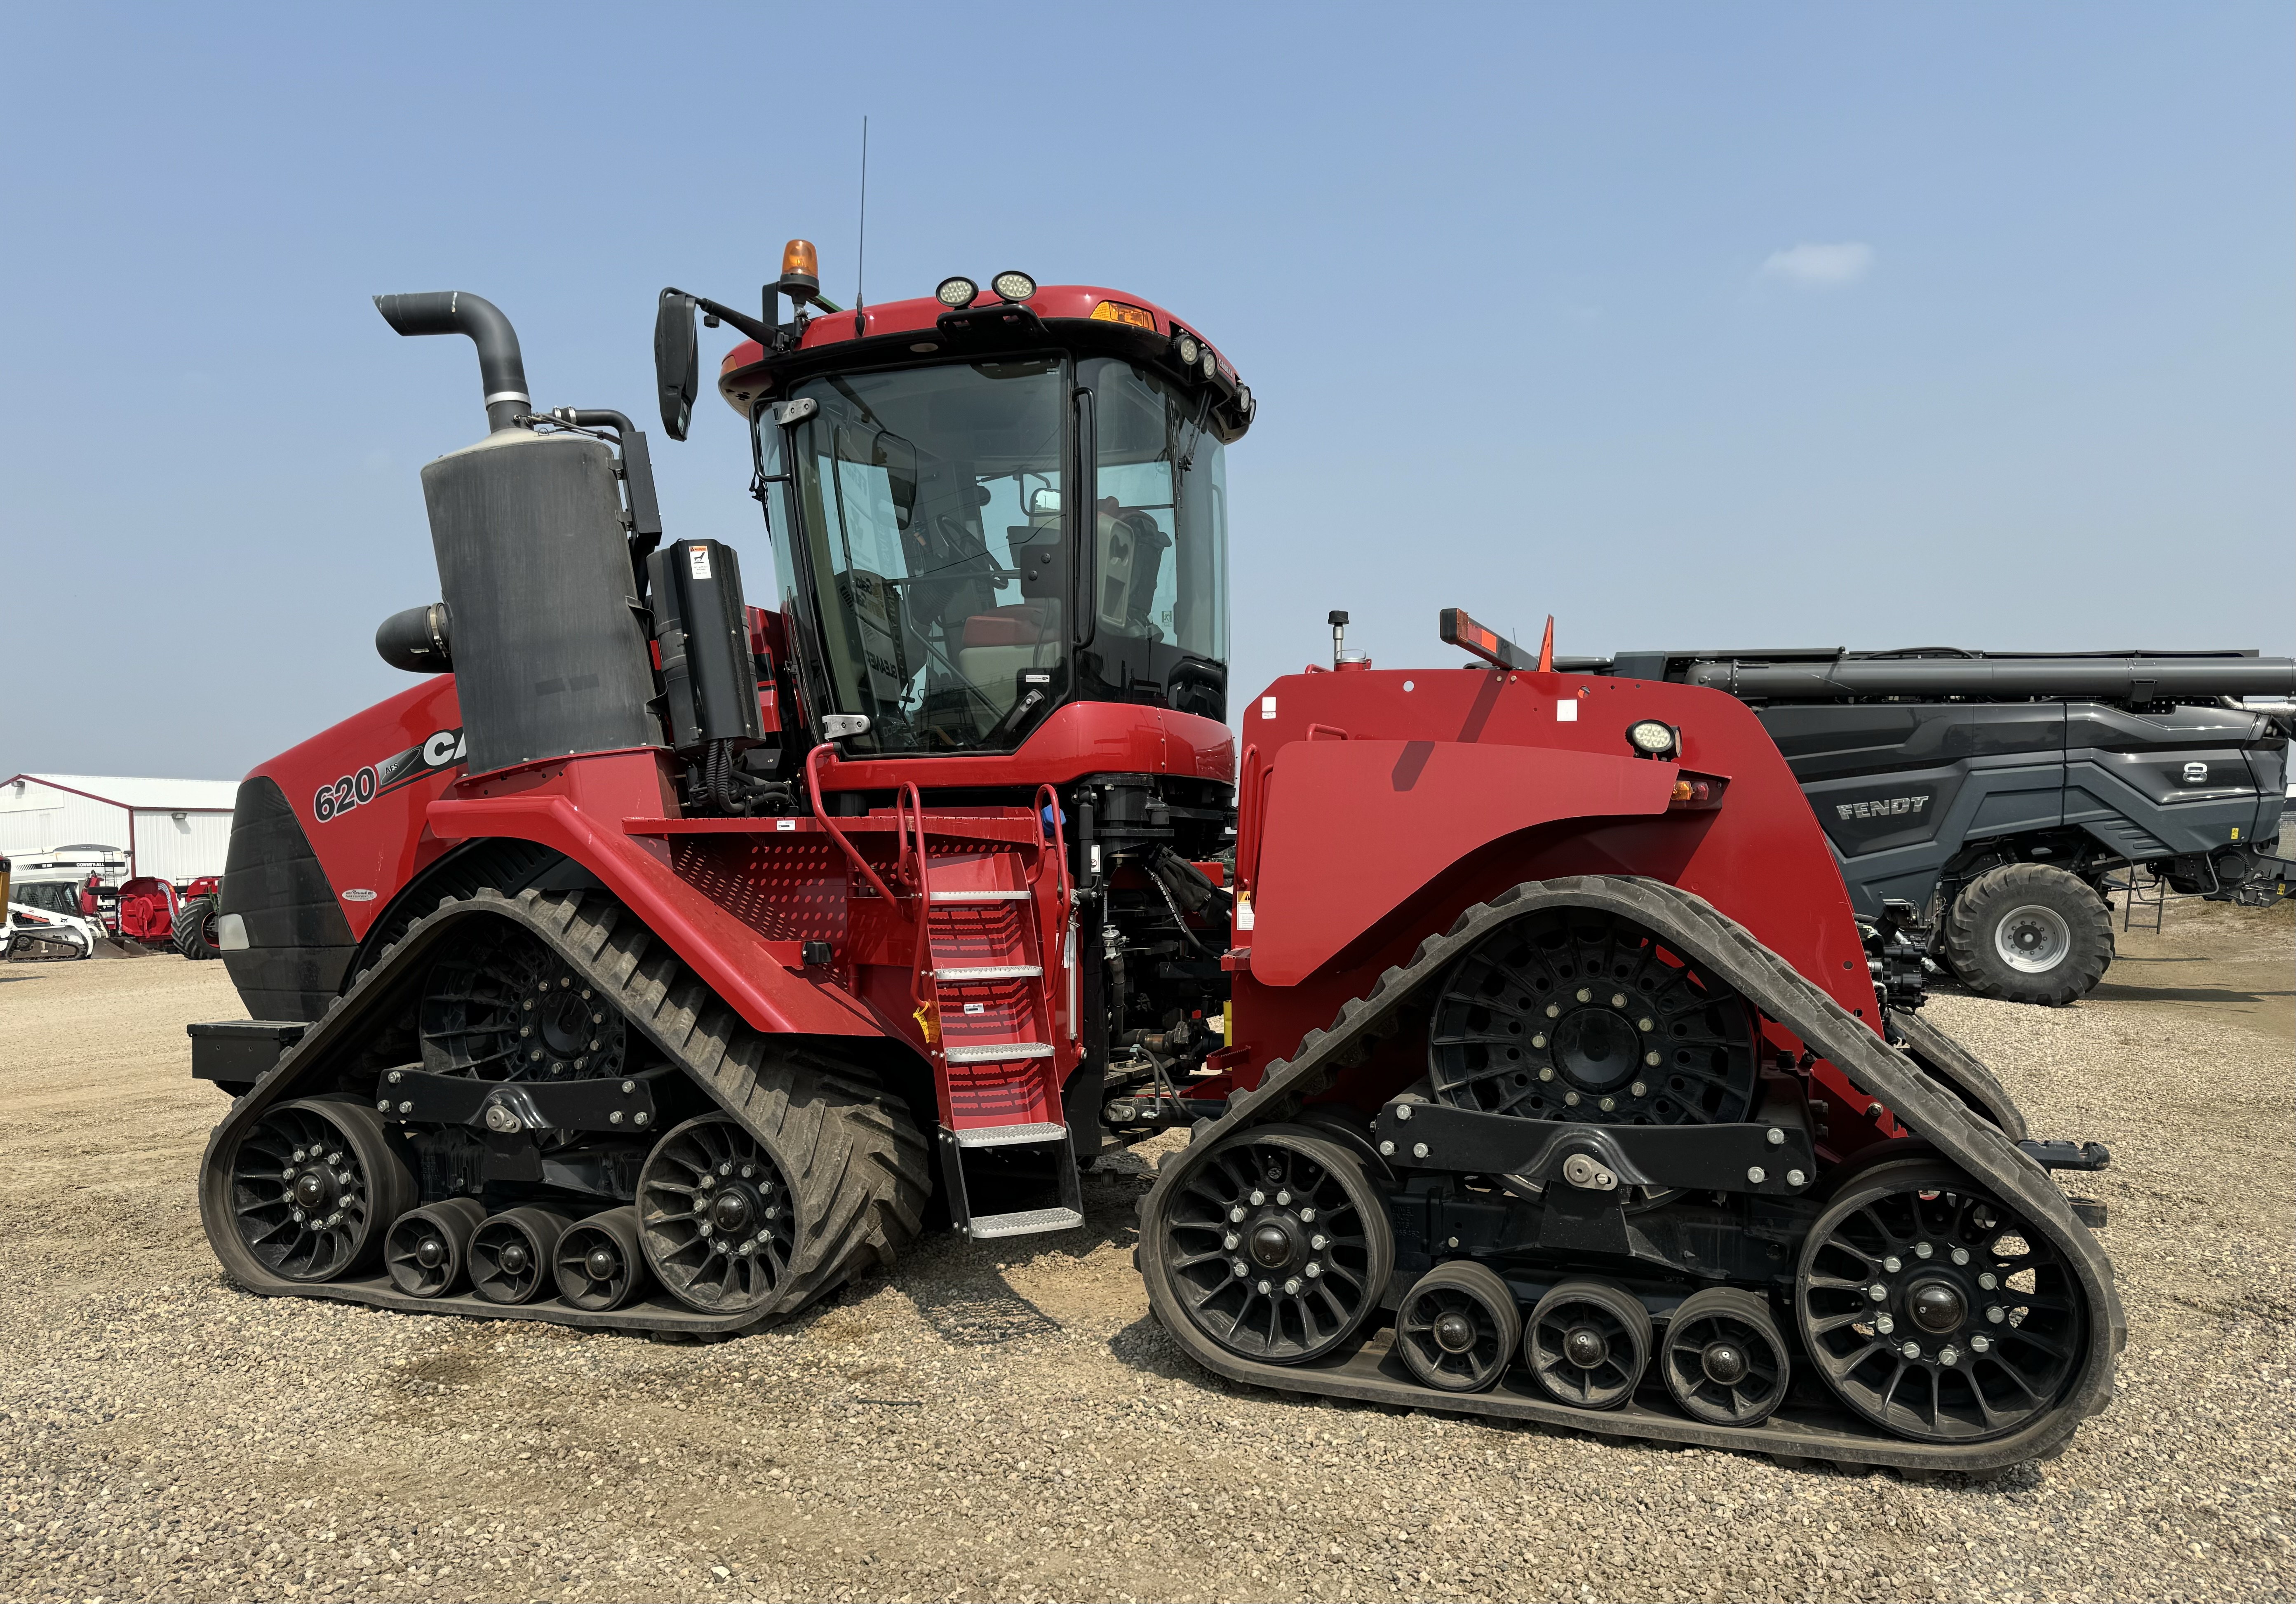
[1124, 313]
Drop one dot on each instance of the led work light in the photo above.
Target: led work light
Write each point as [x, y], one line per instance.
[1652, 738]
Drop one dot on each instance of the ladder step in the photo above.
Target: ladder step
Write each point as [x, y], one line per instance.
[980, 896]
[1029, 1222]
[1010, 1135]
[996, 1052]
[991, 972]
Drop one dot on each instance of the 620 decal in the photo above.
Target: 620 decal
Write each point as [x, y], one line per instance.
[343, 795]
[444, 749]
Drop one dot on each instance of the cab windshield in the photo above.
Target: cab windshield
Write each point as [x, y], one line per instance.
[935, 544]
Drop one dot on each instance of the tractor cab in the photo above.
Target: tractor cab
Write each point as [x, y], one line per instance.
[984, 507]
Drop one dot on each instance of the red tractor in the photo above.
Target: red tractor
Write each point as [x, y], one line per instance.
[662, 963]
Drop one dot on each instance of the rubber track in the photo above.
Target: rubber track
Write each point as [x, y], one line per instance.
[1690, 927]
[1962, 1071]
[860, 1170]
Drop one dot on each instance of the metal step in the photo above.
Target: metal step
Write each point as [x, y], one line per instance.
[1029, 1222]
[991, 972]
[997, 1052]
[980, 896]
[1010, 1135]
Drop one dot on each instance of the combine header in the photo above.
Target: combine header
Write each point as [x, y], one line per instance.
[662, 963]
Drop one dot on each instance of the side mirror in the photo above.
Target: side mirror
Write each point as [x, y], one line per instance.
[1044, 504]
[677, 361]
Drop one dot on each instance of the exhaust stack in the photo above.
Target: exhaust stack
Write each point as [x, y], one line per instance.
[501, 372]
[549, 650]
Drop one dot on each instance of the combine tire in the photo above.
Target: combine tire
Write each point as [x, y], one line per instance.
[195, 929]
[2029, 933]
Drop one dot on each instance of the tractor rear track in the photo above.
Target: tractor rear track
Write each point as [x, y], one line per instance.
[1366, 1370]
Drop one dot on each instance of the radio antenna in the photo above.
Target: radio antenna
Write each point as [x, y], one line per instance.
[861, 251]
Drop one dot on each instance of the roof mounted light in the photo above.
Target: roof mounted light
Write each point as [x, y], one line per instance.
[1653, 738]
[1124, 313]
[1013, 286]
[1210, 363]
[1186, 349]
[956, 292]
[800, 266]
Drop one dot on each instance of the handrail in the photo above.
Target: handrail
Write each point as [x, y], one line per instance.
[909, 804]
[909, 811]
[821, 814]
[1248, 784]
[1048, 802]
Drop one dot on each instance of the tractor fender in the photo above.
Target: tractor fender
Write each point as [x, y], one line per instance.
[733, 960]
[1351, 830]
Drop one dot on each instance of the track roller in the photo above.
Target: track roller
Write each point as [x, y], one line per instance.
[427, 1252]
[314, 1184]
[1723, 1360]
[1458, 1327]
[1277, 1246]
[600, 1263]
[511, 1254]
[1587, 1342]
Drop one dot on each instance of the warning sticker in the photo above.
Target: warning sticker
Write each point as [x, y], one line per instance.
[1566, 712]
[697, 559]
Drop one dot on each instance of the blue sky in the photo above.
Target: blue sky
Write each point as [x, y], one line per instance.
[1693, 325]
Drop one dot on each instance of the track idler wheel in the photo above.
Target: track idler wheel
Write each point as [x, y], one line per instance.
[1275, 1244]
[1723, 1360]
[314, 1186]
[1933, 1311]
[1587, 1342]
[601, 1263]
[428, 1253]
[716, 1217]
[1458, 1327]
[511, 1254]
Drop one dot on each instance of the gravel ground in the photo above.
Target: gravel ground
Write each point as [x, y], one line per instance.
[1000, 1421]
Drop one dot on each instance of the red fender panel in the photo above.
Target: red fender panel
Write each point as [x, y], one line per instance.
[575, 807]
[1353, 829]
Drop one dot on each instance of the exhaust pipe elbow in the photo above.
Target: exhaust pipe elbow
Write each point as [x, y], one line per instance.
[501, 372]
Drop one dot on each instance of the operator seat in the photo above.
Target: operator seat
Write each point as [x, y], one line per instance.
[1000, 644]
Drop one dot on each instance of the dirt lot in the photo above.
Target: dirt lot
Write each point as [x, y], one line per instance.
[1001, 1420]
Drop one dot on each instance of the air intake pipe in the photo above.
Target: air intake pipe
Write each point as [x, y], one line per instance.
[501, 372]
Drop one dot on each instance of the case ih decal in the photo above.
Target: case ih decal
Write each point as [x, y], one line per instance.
[445, 750]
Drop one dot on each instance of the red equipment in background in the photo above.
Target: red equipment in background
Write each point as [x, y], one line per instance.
[665, 962]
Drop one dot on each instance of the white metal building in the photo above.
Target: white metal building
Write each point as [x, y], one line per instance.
[175, 829]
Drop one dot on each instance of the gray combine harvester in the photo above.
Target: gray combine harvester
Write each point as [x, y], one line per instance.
[1978, 801]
